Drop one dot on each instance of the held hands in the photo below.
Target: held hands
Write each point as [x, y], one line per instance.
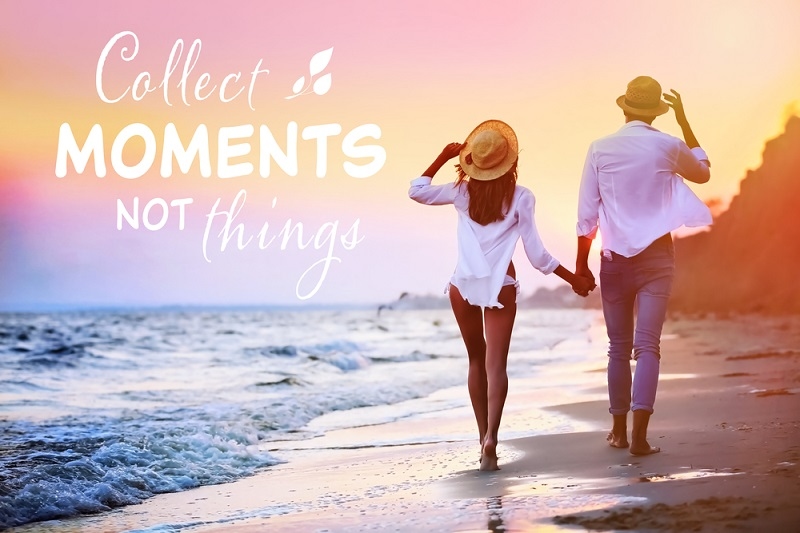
[675, 102]
[583, 282]
[584, 272]
[583, 286]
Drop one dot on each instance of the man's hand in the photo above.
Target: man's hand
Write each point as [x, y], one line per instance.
[582, 286]
[584, 281]
[583, 271]
[675, 102]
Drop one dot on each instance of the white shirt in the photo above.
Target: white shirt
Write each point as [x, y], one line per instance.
[484, 252]
[632, 188]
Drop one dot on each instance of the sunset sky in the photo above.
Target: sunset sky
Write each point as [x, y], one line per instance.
[424, 72]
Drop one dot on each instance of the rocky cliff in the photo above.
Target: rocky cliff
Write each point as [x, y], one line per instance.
[749, 260]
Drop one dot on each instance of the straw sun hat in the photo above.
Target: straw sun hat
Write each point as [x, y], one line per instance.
[643, 98]
[489, 151]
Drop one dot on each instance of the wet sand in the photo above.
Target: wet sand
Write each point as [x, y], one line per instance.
[727, 419]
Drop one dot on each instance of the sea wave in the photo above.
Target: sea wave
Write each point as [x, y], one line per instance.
[99, 410]
[340, 353]
[77, 470]
[415, 355]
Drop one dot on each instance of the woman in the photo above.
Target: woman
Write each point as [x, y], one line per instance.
[493, 213]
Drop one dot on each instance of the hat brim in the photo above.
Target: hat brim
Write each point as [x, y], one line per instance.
[660, 109]
[501, 168]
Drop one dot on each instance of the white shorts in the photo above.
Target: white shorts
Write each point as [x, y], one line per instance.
[506, 282]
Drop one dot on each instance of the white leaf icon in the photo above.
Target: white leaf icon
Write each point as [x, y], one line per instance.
[323, 84]
[298, 85]
[320, 61]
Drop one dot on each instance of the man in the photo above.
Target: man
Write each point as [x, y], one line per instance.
[632, 190]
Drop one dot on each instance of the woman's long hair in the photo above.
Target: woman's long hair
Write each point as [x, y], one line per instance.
[489, 201]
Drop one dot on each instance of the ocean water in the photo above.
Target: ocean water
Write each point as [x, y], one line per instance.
[100, 410]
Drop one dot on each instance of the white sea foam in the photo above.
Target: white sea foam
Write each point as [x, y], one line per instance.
[99, 410]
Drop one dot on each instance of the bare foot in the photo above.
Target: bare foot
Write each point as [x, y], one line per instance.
[639, 444]
[617, 441]
[488, 463]
[644, 449]
[489, 455]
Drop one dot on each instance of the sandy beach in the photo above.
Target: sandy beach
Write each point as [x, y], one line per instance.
[727, 419]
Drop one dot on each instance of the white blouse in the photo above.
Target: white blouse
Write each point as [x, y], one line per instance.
[484, 252]
[632, 188]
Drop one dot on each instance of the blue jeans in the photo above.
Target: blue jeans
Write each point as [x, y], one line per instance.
[635, 292]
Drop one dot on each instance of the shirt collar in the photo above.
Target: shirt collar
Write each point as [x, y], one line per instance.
[637, 124]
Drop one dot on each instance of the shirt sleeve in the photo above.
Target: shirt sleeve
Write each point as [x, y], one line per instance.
[539, 257]
[588, 199]
[692, 163]
[423, 192]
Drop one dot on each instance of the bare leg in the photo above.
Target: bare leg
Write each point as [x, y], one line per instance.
[499, 323]
[470, 322]
[639, 444]
[618, 436]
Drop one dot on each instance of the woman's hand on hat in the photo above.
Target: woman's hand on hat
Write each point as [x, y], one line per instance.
[452, 150]
[448, 152]
[675, 102]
